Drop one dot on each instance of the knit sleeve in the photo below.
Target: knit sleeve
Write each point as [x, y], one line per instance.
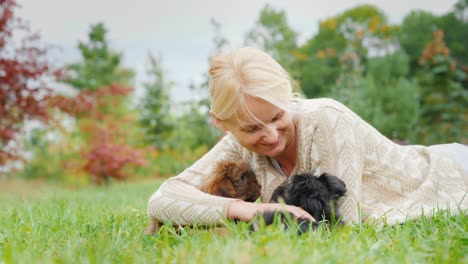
[339, 145]
[179, 199]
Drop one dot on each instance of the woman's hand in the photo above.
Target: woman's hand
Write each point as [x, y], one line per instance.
[246, 211]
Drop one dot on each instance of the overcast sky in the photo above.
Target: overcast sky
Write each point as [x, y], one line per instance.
[180, 30]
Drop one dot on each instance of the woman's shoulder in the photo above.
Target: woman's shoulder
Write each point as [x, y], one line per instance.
[229, 144]
[315, 112]
[318, 105]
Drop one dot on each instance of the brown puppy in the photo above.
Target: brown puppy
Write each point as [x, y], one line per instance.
[232, 179]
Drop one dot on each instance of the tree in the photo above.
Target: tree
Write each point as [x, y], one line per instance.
[417, 29]
[318, 60]
[105, 121]
[443, 97]
[194, 127]
[24, 93]
[155, 110]
[342, 44]
[461, 10]
[455, 37]
[273, 35]
[354, 58]
[383, 96]
[105, 147]
[100, 65]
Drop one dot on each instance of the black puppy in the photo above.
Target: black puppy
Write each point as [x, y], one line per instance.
[316, 195]
[285, 218]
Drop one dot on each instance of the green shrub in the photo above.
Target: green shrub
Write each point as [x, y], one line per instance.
[392, 108]
[388, 69]
[443, 97]
[53, 158]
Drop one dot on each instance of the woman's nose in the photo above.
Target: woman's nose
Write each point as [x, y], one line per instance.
[271, 133]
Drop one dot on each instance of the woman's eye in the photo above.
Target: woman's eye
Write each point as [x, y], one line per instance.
[277, 117]
[252, 129]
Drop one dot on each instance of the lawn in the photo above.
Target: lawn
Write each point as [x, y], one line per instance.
[41, 223]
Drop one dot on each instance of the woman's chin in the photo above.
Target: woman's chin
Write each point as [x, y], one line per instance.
[272, 151]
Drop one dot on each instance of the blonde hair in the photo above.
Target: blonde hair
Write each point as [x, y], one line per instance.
[247, 72]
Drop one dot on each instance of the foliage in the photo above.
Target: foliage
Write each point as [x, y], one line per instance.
[172, 161]
[341, 45]
[100, 66]
[319, 62]
[417, 29]
[455, 37]
[194, 128]
[186, 132]
[23, 70]
[156, 119]
[366, 29]
[54, 158]
[104, 121]
[106, 158]
[356, 57]
[391, 107]
[387, 68]
[461, 8]
[273, 35]
[381, 96]
[105, 150]
[443, 97]
[92, 102]
[397, 97]
[45, 224]
[35, 169]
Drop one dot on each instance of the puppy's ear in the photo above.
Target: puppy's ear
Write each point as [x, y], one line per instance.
[315, 207]
[279, 195]
[335, 185]
[221, 183]
[226, 169]
[223, 187]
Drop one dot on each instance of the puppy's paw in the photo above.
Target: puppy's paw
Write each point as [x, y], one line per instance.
[286, 219]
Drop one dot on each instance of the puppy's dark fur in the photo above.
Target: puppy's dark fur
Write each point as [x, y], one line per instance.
[316, 195]
[232, 179]
[269, 217]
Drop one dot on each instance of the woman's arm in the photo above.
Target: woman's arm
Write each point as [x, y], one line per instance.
[179, 199]
[246, 211]
[339, 143]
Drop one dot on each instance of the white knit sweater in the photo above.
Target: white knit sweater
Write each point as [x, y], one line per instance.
[386, 182]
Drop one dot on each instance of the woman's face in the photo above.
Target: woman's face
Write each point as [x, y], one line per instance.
[268, 134]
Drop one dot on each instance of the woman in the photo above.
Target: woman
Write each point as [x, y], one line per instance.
[280, 135]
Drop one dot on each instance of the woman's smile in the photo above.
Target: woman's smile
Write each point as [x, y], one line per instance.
[264, 128]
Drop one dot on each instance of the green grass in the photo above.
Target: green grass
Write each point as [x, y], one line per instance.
[50, 224]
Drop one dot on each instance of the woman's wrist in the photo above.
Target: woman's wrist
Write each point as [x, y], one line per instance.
[241, 210]
[246, 211]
